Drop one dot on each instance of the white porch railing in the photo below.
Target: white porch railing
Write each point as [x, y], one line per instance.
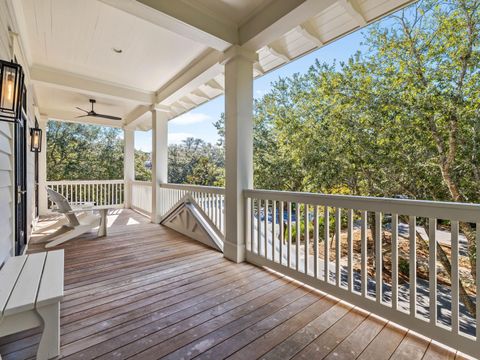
[210, 199]
[141, 196]
[99, 192]
[380, 273]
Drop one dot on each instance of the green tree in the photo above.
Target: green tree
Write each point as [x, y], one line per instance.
[196, 162]
[83, 152]
[143, 163]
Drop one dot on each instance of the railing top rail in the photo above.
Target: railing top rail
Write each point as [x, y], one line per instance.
[81, 182]
[197, 188]
[466, 212]
[142, 183]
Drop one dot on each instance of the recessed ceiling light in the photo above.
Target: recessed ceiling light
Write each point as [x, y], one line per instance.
[117, 50]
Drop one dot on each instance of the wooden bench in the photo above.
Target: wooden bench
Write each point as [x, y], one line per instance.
[31, 288]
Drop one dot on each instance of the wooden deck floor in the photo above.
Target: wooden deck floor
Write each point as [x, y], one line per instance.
[147, 292]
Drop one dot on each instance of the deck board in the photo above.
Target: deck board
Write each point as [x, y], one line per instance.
[148, 292]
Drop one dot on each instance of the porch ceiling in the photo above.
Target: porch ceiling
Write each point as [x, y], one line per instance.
[170, 50]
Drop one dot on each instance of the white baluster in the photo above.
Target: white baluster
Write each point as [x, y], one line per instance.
[432, 268]
[455, 277]
[326, 249]
[350, 249]
[338, 245]
[282, 235]
[378, 257]
[289, 227]
[274, 235]
[395, 261]
[413, 265]
[265, 224]
[315, 241]
[364, 254]
[297, 240]
[306, 235]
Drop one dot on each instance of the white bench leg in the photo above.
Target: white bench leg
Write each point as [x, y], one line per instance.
[50, 342]
[102, 229]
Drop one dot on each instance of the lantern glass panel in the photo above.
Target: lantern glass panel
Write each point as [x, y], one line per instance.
[36, 140]
[9, 89]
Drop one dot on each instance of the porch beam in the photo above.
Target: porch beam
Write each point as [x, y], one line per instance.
[214, 85]
[133, 118]
[184, 19]
[136, 116]
[306, 31]
[238, 146]
[74, 82]
[258, 68]
[200, 94]
[353, 9]
[200, 71]
[276, 19]
[159, 160]
[70, 116]
[278, 53]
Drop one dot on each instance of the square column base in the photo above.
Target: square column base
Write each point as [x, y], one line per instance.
[234, 252]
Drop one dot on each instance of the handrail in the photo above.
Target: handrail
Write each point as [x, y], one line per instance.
[84, 182]
[438, 209]
[141, 183]
[195, 188]
[99, 192]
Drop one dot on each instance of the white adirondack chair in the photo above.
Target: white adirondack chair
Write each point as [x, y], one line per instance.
[75, 226]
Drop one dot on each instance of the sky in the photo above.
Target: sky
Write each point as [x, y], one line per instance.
[199, 121]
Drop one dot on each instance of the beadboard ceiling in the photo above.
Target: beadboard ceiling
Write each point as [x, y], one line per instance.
[170, 51]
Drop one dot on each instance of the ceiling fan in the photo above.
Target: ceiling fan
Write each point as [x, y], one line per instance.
[94, 114]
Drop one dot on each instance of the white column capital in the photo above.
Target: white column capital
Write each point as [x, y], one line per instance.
[238, 52]
[42, 119]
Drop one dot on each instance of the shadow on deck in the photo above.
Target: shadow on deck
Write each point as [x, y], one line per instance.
[148, 292]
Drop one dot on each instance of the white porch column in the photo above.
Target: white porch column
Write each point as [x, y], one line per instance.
[159, 160]
[238, 146]
[42, 168]
[128, 165]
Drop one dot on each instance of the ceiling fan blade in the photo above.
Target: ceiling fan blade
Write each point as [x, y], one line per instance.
[81, 116]
[107, 116]
[82, 109]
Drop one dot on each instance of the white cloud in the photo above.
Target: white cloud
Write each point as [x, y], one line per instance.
[177, 138]
[260, 93]
[191, 118]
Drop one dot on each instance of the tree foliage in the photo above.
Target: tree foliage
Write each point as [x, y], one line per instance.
[196, 162]
[87, 152]
[83, 152]
[399, 118]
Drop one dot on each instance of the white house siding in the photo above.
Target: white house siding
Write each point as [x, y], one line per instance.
[6, 147]
[6, 154]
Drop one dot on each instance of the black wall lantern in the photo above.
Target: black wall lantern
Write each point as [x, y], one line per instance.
[11, 85]
[36, 139]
